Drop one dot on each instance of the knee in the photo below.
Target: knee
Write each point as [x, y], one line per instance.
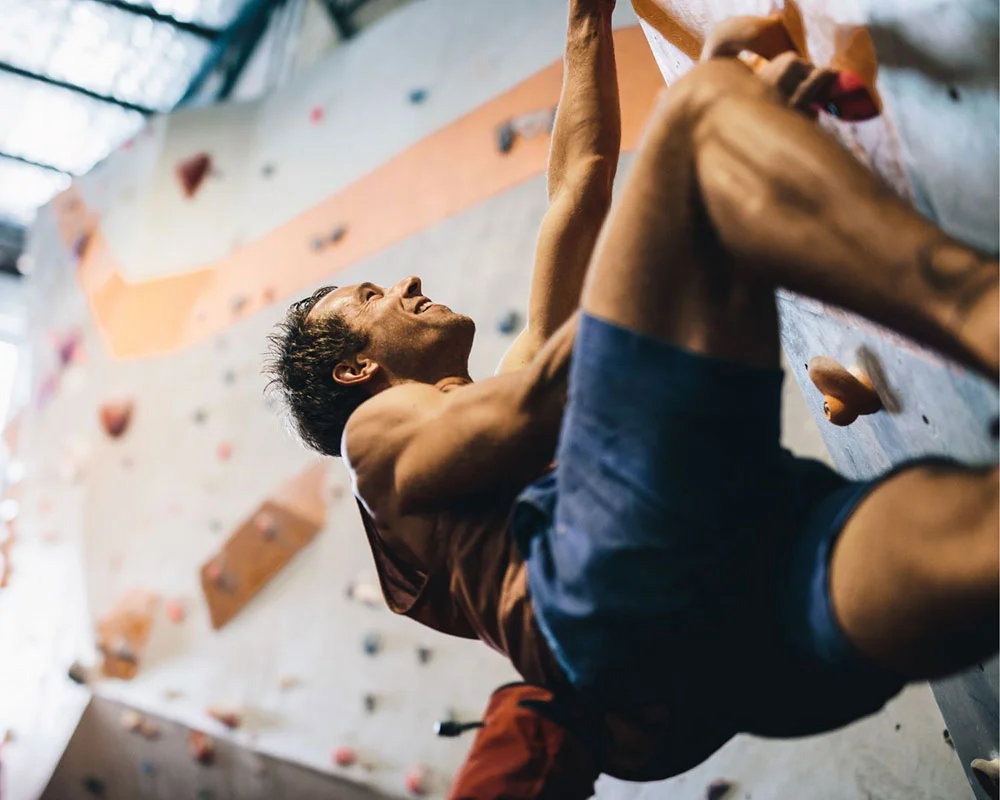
[701, 89]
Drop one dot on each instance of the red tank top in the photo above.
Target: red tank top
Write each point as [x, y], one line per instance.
[475, 587]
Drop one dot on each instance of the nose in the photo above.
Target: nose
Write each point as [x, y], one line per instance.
[409, 287]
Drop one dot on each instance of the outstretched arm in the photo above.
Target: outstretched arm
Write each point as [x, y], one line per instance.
[582, 165]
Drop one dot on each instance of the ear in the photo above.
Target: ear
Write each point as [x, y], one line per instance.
[354, 371]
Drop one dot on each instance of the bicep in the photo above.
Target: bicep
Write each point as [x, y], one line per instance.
[521, 352]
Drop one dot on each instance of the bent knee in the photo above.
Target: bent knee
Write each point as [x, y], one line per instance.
[704, 86]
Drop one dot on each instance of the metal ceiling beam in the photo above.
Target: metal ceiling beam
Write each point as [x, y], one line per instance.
[30, 163]
[72, 87]
[244, 24]
[342, 17]
[151, 13]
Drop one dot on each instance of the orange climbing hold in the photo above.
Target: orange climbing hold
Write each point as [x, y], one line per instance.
[847, 394]
[191, 172]
[229, 717]
[116, 416]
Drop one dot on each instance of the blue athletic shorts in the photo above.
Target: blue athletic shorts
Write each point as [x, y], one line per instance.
[678, 554]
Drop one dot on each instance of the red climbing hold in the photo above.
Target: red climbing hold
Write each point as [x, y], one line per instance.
[191, 172]
[345, 756]
[201, 747]
[116, 416]
[316, 115]
[224, 451]
[848, 98]
[416, 780]
[175, 611]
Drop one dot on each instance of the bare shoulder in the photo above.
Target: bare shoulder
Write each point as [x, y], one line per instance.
[379, 431]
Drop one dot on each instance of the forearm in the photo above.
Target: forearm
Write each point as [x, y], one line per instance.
[587, 135]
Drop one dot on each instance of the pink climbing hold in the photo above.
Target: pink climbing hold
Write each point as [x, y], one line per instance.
[267, 525]
[224, 451]
[214, 574]
[316, 115]
[191, 172]
[416, 780]
[116, 416]
[175, 611]
[345, 756]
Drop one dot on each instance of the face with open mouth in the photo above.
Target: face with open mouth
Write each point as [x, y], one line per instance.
[408, 333]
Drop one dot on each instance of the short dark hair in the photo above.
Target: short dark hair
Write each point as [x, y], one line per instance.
[302, 353]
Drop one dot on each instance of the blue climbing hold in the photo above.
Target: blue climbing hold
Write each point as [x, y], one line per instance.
[509, 323]
[417, 96]
[93, 785]
[372, 644]
[147, 768]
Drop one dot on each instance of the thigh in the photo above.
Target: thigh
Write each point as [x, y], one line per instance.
[913, 574]
[658, 268]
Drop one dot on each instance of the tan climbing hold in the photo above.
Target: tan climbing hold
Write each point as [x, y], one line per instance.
[132, 720]
[847, 393]
[990, 769]
[229, 717]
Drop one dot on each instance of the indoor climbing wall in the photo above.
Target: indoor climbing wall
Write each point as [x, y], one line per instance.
[933, 67]
[173, 534]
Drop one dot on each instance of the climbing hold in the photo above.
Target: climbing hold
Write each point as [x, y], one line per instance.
[131, 720]
[202, 747]
[229, 377]
[238, 303]
[116, 416]
[199, 416]
[224, 451]
[509, 323]
[267, 525]
[947, 738]
[424, 654]
[147, 768]
[269, 295]
[372, 644]
[345, 756]
[80, 245]
[370, 703]
[7, 738]
[417, 780]
[317, 244]
[267, 170]
[93, 785]
[78, 673]
[505, 138]
[171, 694]
[417, 96]
[216, 575]
[847, 394]
[338, 233]
[848, 98]
[987, 773]
[204, 793]
[287, 682]
[149, 729]
[175, 611]
[191, 172]
[316, 114]
[229, 717]
[718, 789]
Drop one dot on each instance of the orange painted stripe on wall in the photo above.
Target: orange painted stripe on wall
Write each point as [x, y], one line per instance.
[450, 171]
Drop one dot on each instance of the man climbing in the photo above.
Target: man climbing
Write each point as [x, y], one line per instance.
[613, 510]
